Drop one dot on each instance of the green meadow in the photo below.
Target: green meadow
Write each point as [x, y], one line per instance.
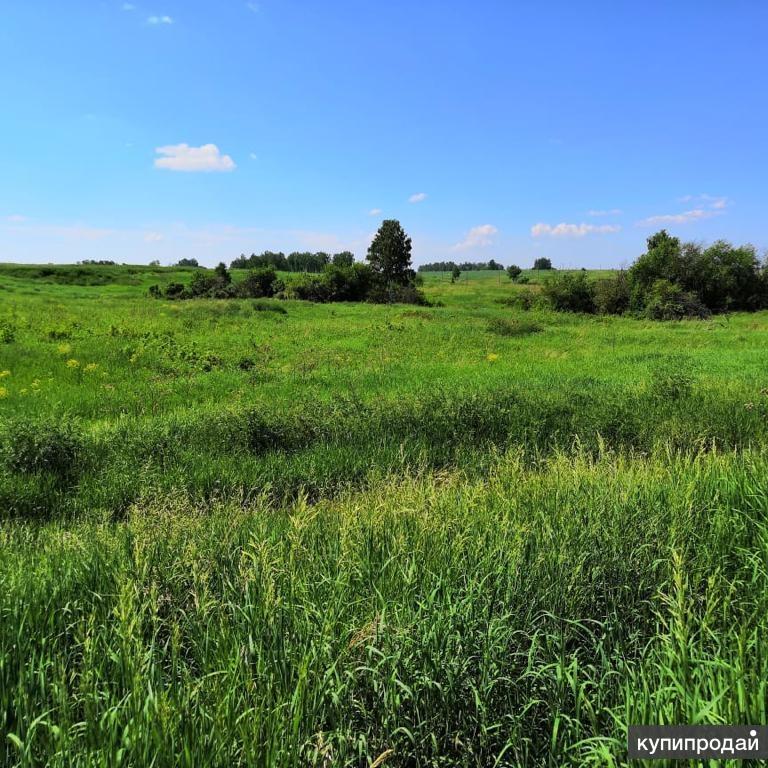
[275, 533]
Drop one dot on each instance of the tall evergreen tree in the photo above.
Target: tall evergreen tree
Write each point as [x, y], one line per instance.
[390, 255]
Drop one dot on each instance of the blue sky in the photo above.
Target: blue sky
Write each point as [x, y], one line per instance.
[158, 129]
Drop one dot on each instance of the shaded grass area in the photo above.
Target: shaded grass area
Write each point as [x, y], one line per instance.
[60, 467]
[521, 619]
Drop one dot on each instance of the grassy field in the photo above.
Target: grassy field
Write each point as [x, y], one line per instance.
[282, 534]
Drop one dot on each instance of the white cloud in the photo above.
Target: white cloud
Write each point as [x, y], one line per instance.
[253, 7]
[418, 197]
[679, 218]
[253, 156]
[608, 212]
[182, 157]
[572, 230]
[374, 212]
[129, 7]
[155, 20]
[716, 202]
[153, 237]
[15, 218]
[477, 237]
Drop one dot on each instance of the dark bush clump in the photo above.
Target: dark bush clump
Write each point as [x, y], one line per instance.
[260, 283]
[667, 301]
[7, 333]
[49, 446]
[611, 295]
[503, 327]
[267, 306]
[568, 292]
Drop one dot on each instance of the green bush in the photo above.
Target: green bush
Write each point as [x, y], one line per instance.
[668, 301]
[568, 292]
[260, 283]
[611, 295]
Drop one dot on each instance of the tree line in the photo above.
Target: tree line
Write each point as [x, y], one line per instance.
[386, 277]
[464, 266]
[298, 261]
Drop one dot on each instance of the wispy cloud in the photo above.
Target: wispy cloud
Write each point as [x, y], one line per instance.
[253, 156]
[707, 206]
[16, 218]
[607, 212]
[716, 202]
[418, 197]
[182, 157]
[697, 214]
[477, 237]
[156, 20]
[374, 212]
[129, 7]
[572, 230]
[153, 237]
[253, 7]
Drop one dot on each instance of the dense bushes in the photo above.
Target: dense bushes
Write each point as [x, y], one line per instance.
[671, 281]
[570, 292]
[387, 278]
[355, 282]
[258, 284]
[337, 283]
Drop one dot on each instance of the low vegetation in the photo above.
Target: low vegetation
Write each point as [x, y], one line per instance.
[269, 532]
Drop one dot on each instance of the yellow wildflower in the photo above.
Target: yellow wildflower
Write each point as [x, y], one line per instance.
[91, 367]
[73, 364]
[3, 392]
[64, 349]
[492, 357]
[4, 374]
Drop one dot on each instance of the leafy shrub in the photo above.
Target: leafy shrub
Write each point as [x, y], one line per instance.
[569, 292]
[42, 446]
[260, 283]
[611, 295]
[503, 327]
[542, 263]
[514, 272]
[668, 301]
[174, 291]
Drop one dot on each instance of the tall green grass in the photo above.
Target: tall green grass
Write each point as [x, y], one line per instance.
[353, 535]
[521, 619]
